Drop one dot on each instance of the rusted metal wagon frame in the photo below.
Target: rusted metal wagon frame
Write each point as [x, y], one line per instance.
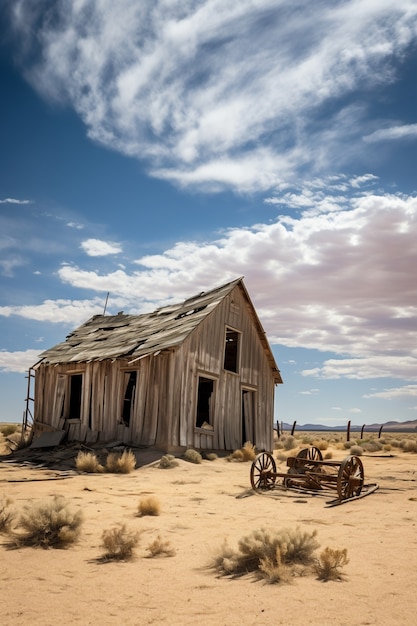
[308, 471]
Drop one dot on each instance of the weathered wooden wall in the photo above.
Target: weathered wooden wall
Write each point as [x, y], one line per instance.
[165, 401]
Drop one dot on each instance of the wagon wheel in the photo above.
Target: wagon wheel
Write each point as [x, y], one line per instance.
[350, 478]
[312, 454]
[263, 471]
[307, 454]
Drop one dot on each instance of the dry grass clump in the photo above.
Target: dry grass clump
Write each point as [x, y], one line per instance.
[149, 506]
[330, 563]
[372, 445]
[276, 556]
[9, 429]
[356, 450]
[246, 453]
[168, 461]
[408, 445]
[289, 442]
[249, 451]
[328, 455]
[7, 515]
[211, 456]
[192, 456]
[321, 444]
[121, 463]
[119, 543]
[160, 547]
[88, 462]
[49, 524]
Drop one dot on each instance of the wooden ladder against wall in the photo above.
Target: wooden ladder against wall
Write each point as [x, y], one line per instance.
[28, 419]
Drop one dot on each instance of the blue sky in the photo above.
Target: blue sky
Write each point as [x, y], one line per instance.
[154, 150]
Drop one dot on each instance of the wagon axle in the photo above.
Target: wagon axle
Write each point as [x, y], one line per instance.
[308, 471]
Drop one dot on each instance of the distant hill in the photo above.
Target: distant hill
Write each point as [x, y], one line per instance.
[398, 427]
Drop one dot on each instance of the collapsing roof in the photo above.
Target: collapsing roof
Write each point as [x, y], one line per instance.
[136, 336]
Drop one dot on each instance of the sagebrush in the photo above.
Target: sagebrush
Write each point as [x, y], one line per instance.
[330, 563]
[7, 515]
[119, 543]
[160, 547]
[50, 524]
[192, 456]
[274, 555]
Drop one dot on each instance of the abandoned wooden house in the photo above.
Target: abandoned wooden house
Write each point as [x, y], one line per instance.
[198, 374]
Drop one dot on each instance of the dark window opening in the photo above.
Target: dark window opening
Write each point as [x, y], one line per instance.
[231, 350]
[129, 398]
[76, 386]
[205, 392]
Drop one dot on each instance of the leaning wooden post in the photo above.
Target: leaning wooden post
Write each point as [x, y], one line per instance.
[278, 429]
[348, 431]
[363, 427]
[293, 428]
[380, 431]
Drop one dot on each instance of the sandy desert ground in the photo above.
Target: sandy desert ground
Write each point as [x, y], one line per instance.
[201, 506]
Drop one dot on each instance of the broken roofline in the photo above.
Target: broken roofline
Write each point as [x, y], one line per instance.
[136, 336]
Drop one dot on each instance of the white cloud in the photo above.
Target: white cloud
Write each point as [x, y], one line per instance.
[405, 131]
[336, 280]
[69, 312]
[395, 392]
[195, 88]
[18, 361]
[97, 247]
[14, 201]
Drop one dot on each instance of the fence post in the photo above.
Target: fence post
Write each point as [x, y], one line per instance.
[363, 427]
[278, 429]
[293, 427]
[380, 431]
[348, 431]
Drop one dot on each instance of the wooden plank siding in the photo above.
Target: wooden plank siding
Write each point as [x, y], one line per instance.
[163, 406]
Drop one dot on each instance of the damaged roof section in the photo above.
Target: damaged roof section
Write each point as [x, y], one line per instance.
[136, 336]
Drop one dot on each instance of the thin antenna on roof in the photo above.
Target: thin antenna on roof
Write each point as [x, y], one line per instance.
[105, 306]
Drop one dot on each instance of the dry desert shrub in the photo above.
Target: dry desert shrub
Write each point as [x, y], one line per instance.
[237, 455]
[249, 451]
[168, 461]
[7, 515]
[49, 524]
[121, 463]
[192, 456]
[160, 547]
[211, 456]
[321, 444]
[274, 555]
[149, 506]
[328, 455]
[330, 563]
[119, 543]
[9, 429]
[372, 445]
[88, 462]
[246, 453]
[356, 450]
[408, 445]
[289, 442]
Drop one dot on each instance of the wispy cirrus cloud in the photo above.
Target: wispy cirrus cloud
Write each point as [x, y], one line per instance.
[392, 133]
[218, 93]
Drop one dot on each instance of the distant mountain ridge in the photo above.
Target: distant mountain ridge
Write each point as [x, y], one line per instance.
[399, 427]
